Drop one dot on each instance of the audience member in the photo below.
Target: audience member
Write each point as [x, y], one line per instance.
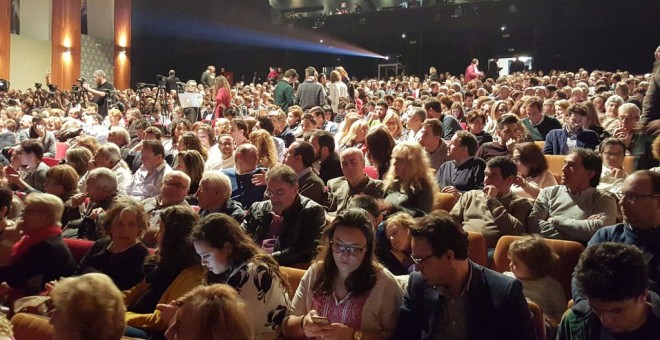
[572, 135]
[478, 302]
[613, 152]
[147, 180]
[574, 210]
[533, 173]
[450, 125]
[354, 182]
[324, 146]
[244, 189]
[538, 123]
[463, 171]
[174, 189]
[287, 222]
[300, 157]
[214, 196]
[393, 244]
[495, 210]
[508, 133]
[430, 137]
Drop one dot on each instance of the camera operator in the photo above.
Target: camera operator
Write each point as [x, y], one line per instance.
[172, 81]
[102, 85]
[37, 131]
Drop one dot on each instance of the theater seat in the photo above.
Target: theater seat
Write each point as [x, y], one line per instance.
[568, 251]
[539, 320]
[78, 248]
[540, 143]
[31, 327]
[371, 172]
[555, 163]
[629, 164]
[61, 149]
[51, 161]
[443, 201]
[294, 276]
[477, 250]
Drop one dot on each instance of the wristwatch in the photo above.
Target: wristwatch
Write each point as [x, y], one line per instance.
[357, 334]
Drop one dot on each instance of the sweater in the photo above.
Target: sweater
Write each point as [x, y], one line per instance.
[540, 131]
[560, 214]
[492, 217]
[465, 177]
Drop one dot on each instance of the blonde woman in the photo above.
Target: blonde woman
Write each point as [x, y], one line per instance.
[395, 126]
[349, 120]
[356, 136]
[496, 111]
[266, 147]
[410, 184]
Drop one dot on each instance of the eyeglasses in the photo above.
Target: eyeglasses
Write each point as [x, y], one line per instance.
[177, 185]
[632, 197]
[418, 260]
[344, 249]
[278, 193]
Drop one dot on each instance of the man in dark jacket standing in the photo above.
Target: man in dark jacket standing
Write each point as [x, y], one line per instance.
[283, 93]
[287, 224]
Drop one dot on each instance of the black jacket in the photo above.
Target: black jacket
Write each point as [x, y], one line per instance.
[297, 242]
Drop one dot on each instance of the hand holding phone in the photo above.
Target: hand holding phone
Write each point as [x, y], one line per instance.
[320, 320]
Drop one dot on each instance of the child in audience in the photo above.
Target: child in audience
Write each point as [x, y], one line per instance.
[531, 261]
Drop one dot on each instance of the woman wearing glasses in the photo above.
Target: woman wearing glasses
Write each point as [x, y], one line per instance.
[346, 294]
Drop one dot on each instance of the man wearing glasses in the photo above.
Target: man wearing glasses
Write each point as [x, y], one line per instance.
[173, 191]
[450, 297]
[640, 205]
[287, 224]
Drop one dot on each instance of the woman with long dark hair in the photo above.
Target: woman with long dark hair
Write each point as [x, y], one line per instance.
[346, 293]
[379, 149]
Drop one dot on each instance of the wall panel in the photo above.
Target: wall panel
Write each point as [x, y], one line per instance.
[5, 37]
[66, 42]
[122, 44]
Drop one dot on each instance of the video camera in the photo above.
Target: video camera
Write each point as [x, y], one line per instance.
[38, 86]
[143, 85]
[4, 85]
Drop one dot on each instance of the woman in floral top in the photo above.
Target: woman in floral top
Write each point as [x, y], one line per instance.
[346, 294]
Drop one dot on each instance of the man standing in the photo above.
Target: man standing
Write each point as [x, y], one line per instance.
[208, 77]
[171, 81]
[451, 297]
[300, 158]
[574, 210]
[472, 71]
[283, 93]
[614, 280]
[449, 123]
[100, 92]
[287, 223]
[495, 210]
[537, 123]
[430, 138]
[494, 69]
[354, 182]
[310, 92]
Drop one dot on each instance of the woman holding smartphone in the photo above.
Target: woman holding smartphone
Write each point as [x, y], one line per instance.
[346, 294]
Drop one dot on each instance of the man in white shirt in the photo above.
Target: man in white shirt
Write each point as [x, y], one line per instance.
[147, 180]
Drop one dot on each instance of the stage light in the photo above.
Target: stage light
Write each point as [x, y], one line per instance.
[321, 41]
[403, 36]
[503, 28]
[387, 58]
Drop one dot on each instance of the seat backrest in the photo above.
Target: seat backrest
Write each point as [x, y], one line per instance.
[51, 161]
[477, 250]
[443, 201]
[60, 150]
[555, 163]
[539, 320]
[568, 251]
[78, 248]
[629, 164]
[32, 327]
[293, 277]
[371, 172]
[540, 143]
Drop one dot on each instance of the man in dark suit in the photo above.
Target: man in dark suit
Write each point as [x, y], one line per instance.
[300, 158]
[287, 223]
[452, 297]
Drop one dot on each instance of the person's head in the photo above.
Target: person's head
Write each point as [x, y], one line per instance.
[347, 250]
[500, 172]
[578, 113]
[61, 180]
[409, 165]
[613, 152]
[107, 156]
[178, 127]
[31, 152]
[101, 183]
[291, 75]
[214, 190]
[247, 158]
[308, 123]
[174, 187]
[529, 159]
[41, 211]
[82, 312]
[301, 155]
[462, 145]
[612, 106]
[640, 203]
[175, 250]
[614, 279]
[239, 129]
[433, 109]
[393, 123]
[210, 312]
[293, 116]
[153, 154]
[282, 187]
[191, 162]
[476, 120]
[370, 205]
[226, 145]
[628, 115]
[534, 109]
[397, 231]
[416, 119]
[78, 158]
[206, 135]
[126, 221]
[438, 243]
[352, 165]
[379, 145]
[324, 144]
[310, 72]
[191, 141]
[582, 169]
[431, 134]
[508, 127]
[266, 146]
[99, 77]
[531, 258]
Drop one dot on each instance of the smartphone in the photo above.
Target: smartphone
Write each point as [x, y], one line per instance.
[320, 320]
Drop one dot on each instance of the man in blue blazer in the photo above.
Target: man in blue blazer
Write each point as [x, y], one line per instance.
[558, 141]
[452, 297]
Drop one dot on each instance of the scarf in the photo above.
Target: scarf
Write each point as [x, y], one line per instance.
[33, 237]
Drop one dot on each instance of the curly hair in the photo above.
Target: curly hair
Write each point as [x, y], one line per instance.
[126, 204]
[267, 151]
[418, 175]
[190, 141]
[362, 279]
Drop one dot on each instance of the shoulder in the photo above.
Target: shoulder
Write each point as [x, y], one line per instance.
[615, 233]
[336, 182]
[309, 205]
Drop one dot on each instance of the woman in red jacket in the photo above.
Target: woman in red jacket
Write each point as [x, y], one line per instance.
[222, 96]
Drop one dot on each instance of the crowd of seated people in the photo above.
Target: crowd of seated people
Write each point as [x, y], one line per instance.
[375, 188]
